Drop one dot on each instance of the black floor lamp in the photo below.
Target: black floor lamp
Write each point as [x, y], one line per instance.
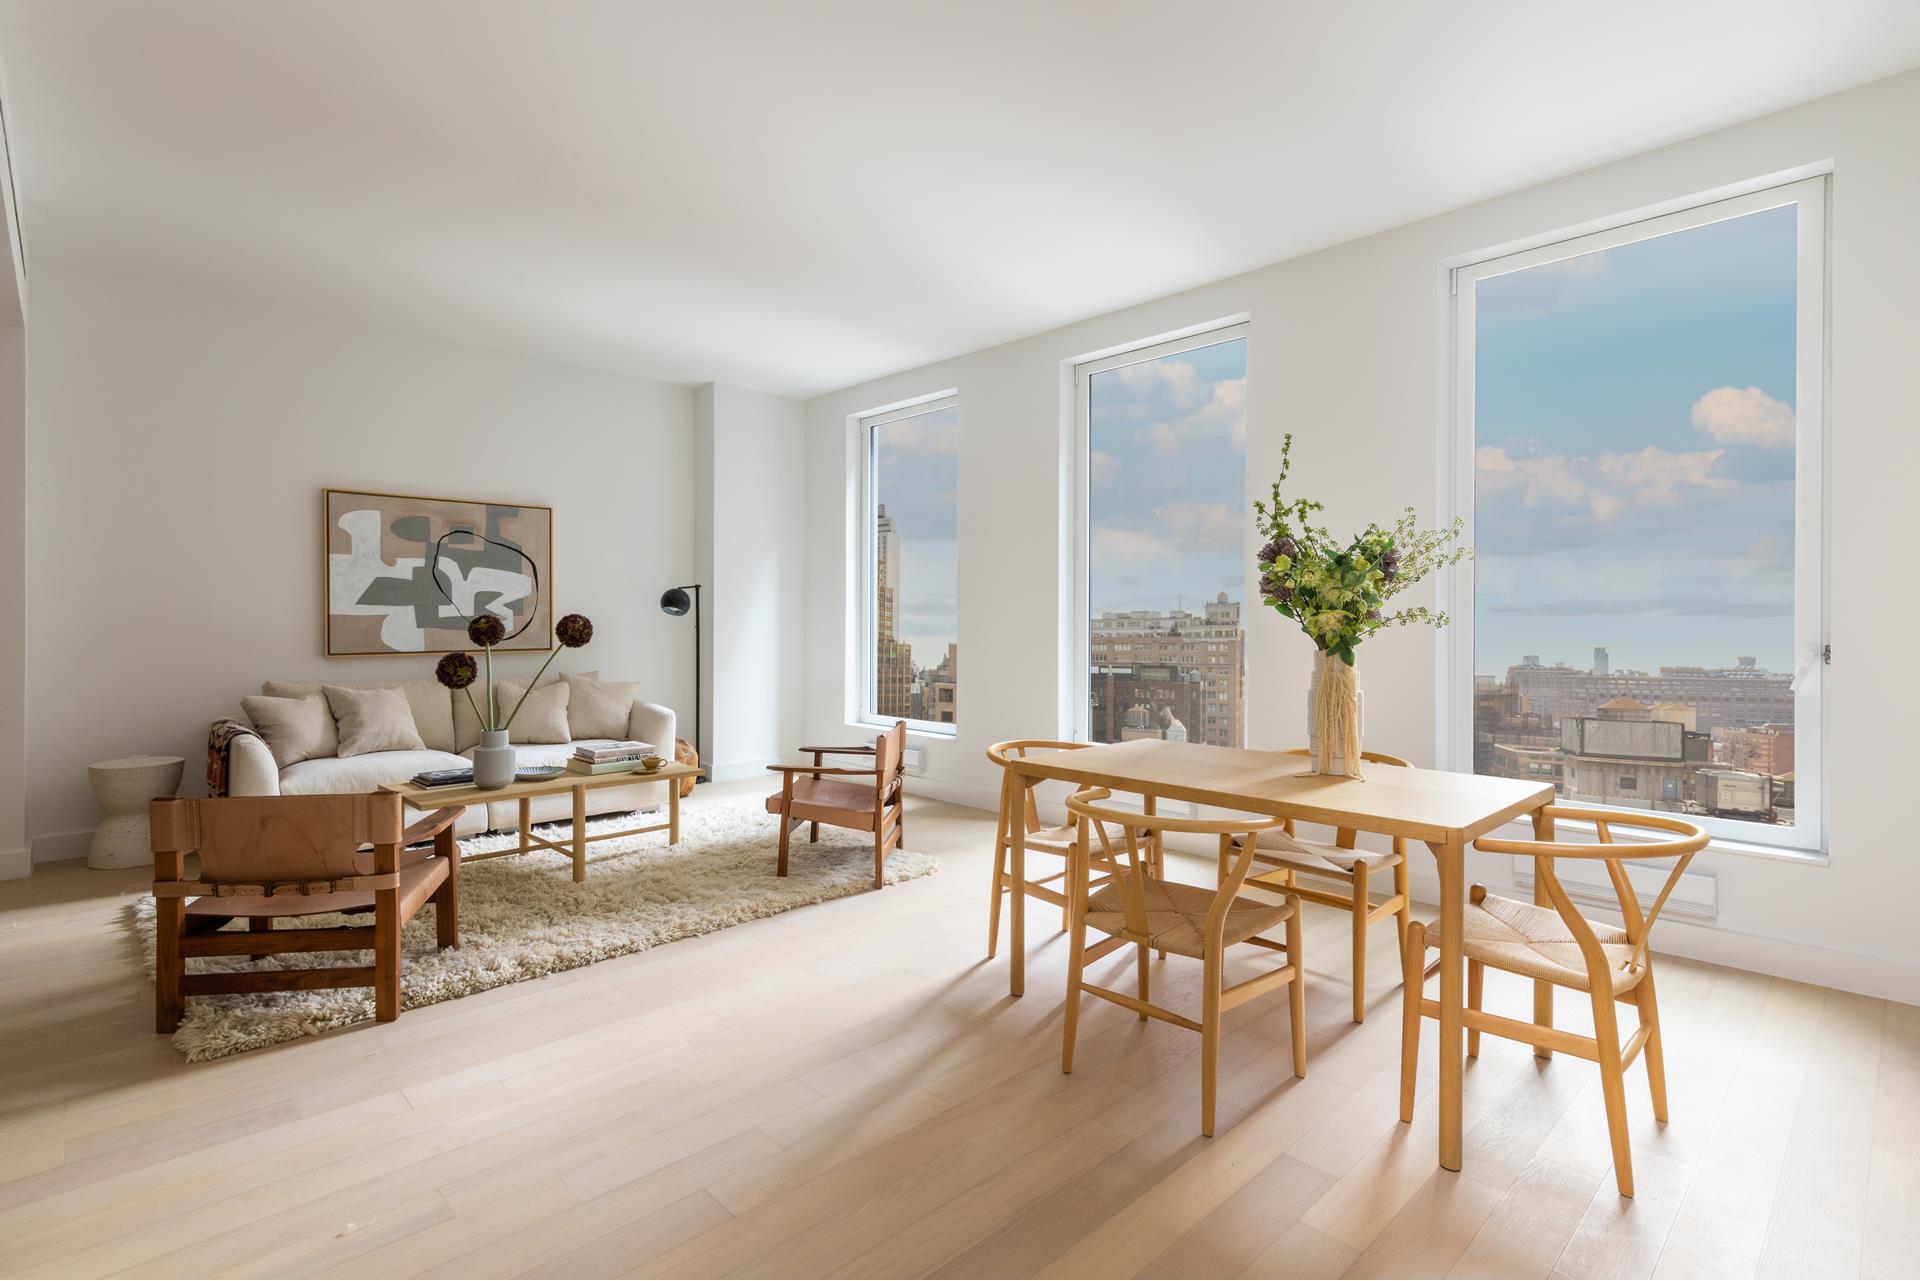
[675, 601]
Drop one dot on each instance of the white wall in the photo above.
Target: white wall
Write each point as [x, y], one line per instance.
[14, 856]
[747, 477]
[1346, 351]
[179, 443]
[15, 859]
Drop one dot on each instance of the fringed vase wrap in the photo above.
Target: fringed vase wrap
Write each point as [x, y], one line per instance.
[1334, 718]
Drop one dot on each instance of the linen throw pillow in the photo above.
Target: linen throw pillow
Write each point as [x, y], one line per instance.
[432, 708]
[294, 729]
[542, 718]
[373, 720]
[599, 709]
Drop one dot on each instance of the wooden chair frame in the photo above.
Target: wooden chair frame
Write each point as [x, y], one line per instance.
[1604, 1047]
[1092, 821]
[295, 883]
[1028, 809]
[888, 819]
[1357, 899]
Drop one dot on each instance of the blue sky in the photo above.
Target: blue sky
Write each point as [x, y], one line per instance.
[1634, 415]
[916, 473]
[1168, 456]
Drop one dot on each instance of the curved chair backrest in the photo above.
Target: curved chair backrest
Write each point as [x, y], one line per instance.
[1093, 818]
[1004, 754]
[1684, 840]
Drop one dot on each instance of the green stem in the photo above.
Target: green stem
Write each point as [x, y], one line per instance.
[487, 720]
[468, 691]
[530, 684]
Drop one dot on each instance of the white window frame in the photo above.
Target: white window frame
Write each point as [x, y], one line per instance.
[862, 708]
[1080, 605]
[1807, 838]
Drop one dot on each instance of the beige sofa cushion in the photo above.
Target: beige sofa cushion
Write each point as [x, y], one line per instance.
[466, 725]
[372, 720]
[430, 701]
[362, 773]
[541, 719]
[294, 729]
[600, 709]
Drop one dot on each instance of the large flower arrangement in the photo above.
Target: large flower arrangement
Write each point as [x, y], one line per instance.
[458, 671]
[1339, 593]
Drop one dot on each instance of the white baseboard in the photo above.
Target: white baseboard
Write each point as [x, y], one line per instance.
[15, 864]
[58, 847]
[734, 770]
[980, 798]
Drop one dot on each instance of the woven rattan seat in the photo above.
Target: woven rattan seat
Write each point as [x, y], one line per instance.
[1177, 916]
[1526, 939]
[1316, 856]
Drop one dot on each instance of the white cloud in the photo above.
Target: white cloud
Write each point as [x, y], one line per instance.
[1608, 486]
[1119, 546]
[1223, 410]
[1174, 381]
[1106, 468]
[1201, 527]
[1744, 416]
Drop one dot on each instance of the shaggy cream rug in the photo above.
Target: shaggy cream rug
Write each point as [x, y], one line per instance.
[524, 917]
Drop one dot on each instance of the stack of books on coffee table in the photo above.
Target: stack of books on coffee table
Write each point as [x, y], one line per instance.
[608, 758]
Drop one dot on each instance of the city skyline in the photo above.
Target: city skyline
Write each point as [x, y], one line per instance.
[1634, 461]
[916, 478]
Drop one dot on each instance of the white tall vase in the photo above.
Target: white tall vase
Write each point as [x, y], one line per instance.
[1336, 763]
[492, 760]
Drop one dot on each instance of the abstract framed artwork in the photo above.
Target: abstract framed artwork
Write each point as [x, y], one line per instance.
[404, 574]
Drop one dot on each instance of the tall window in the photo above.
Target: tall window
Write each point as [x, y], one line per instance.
[912, 653]
[1163, 433]
[1643, 409]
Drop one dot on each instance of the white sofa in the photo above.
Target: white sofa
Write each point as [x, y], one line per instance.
[251, 770]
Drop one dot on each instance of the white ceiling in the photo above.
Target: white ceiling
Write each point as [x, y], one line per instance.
[798, 196]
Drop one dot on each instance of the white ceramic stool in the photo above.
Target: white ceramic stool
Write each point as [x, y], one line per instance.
[123, 788]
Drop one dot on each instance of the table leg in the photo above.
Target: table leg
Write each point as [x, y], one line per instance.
[1017, 909]
[673, 811]
[1451, 857]
[526, 823]
[579, 834]
[1542, 990]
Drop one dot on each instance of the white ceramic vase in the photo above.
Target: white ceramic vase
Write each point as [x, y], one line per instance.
[492, 760]
[1336, 764]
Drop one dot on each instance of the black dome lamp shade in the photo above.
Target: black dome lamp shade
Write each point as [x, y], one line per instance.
[675, 602]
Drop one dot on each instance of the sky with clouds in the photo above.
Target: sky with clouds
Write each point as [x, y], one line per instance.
[916, 474]
[1634, 460]
[1168, 462]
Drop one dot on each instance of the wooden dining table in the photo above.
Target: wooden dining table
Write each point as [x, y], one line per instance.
[1444, 811]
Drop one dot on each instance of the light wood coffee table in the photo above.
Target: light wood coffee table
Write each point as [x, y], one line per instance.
[432, 798]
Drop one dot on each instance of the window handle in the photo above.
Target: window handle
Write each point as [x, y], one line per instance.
[1822, 655]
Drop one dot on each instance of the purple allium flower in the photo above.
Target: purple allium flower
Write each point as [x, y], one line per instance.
[457, 671]
[1271, 552]
[1287, 547]
[486, 631]
[573, 630]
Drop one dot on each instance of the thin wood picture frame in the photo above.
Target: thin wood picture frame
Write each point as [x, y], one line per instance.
[404, 573]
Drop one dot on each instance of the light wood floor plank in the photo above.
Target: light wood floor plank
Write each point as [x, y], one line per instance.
[848, 1090]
